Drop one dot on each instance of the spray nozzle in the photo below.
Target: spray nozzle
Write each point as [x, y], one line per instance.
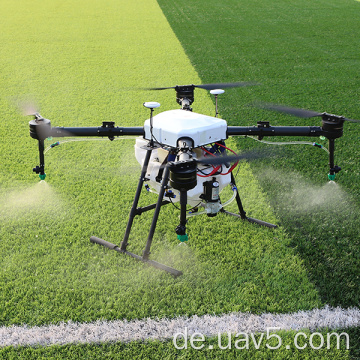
[333, 172]
[181, 233]
[183, 238]
[41, 171]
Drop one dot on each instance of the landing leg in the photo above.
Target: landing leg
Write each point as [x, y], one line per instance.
[165, 179]
[146, 251]
[153, 263]
[242, 213]
[137, 211]
[124, 243]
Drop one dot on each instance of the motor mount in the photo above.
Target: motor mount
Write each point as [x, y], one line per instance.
[185, 96]
[332, 125]
[40, 128]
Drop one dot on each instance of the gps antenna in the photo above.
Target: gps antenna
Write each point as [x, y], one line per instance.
[216, 92]
[151, 105]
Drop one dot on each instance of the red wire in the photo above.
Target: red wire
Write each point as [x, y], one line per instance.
[234, 165]
[226, 148]
[215, 169]
[212, 173]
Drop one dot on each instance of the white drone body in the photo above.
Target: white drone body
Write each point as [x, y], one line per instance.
[171, 126]
[185, 134]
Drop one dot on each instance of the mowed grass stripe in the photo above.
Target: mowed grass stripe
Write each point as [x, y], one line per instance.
[82, 61]
[303, 57]
[305, 61]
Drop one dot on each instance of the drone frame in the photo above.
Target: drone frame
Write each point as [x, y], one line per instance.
[40, 129]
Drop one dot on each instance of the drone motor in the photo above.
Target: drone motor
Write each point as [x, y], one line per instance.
[185, 96]
[183, 175]
[40, 127]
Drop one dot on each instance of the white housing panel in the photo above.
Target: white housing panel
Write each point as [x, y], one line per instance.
[171, 125]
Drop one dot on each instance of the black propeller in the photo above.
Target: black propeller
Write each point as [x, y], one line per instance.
[304, 113]
[226, 160]
[185, 93]
[209, 86]
[219, 160]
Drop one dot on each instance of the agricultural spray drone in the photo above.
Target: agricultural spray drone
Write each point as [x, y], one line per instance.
[185, 160]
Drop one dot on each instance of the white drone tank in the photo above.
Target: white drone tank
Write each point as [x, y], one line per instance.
[168, 128]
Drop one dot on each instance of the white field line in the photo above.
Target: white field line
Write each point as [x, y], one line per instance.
[163, 329]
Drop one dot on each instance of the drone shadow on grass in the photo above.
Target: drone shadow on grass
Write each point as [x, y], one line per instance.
[323, 223]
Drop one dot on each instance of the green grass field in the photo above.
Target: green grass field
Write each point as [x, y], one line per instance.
[87, 62]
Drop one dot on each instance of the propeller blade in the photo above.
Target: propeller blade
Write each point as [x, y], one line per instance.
[290, 110]
[303, 113]
[211, 86]
[30, 111]
[218, 160]
[26, 106]
[226, 85]
[351, 120]
[160, 88]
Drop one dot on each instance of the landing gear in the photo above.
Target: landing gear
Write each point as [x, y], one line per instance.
[182, 176]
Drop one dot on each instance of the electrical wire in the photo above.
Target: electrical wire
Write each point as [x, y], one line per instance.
[190, 210]
[235, 164]
[223, 205]
[289, 143]
[84, 139]
[217, 168]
